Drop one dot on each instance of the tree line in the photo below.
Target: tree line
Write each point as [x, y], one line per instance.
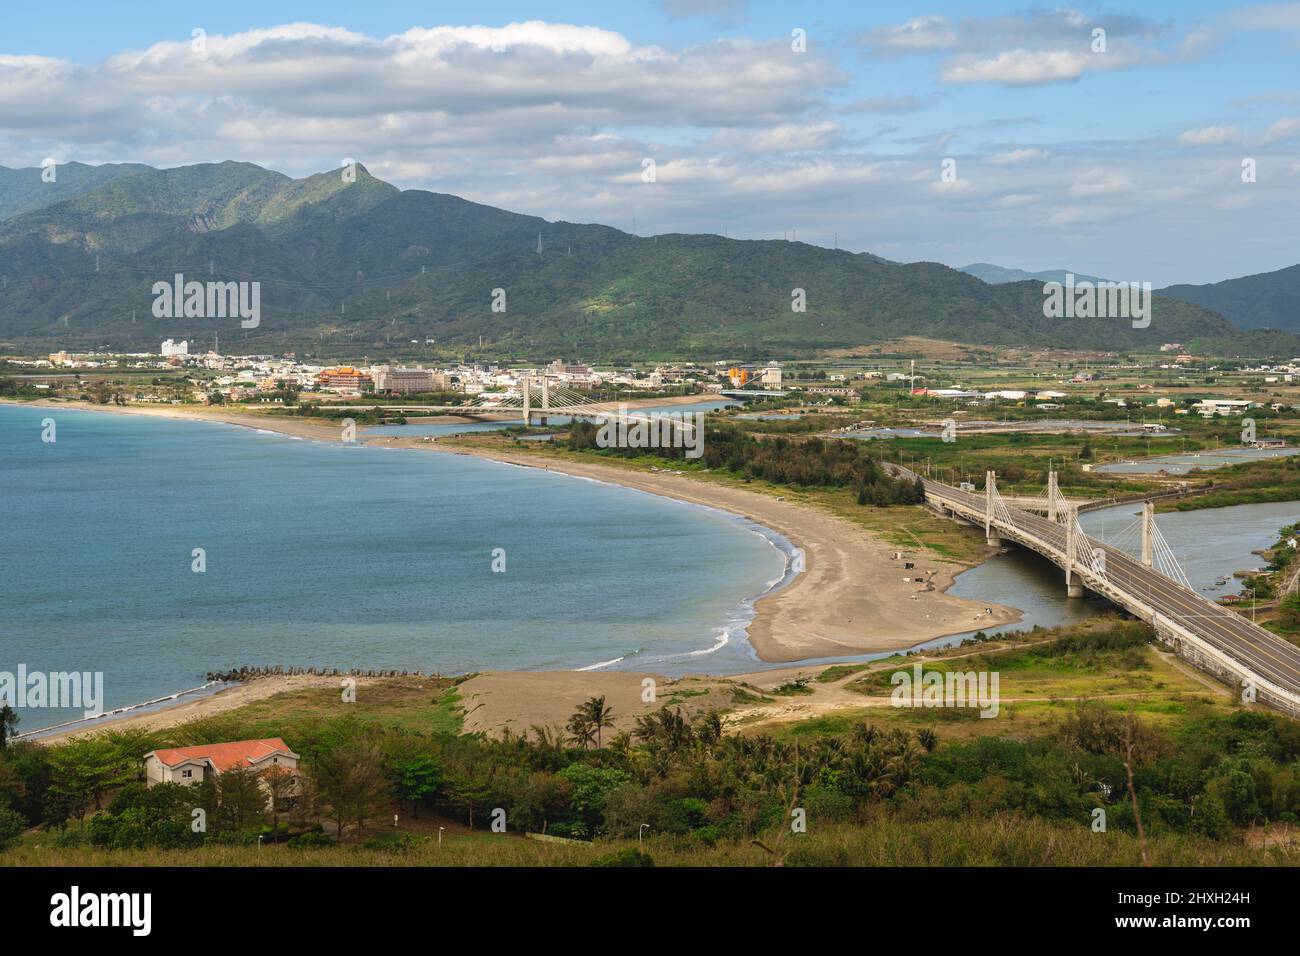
[806, 463]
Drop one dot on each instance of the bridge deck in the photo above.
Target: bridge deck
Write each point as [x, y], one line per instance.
[1259, 654]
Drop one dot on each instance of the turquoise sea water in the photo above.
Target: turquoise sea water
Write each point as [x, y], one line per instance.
[341, 555]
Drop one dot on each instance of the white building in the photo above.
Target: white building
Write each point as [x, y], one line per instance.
[191, 765]
[1210, 407]
[170, 348]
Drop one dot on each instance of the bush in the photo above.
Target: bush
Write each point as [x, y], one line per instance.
[311, 839]
[12, 824]
[625, 857]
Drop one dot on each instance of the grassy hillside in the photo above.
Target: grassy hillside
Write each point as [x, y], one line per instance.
[362, 262]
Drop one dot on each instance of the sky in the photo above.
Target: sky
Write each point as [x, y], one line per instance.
[1158, 142]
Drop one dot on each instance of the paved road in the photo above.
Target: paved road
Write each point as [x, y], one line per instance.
[1263, 652]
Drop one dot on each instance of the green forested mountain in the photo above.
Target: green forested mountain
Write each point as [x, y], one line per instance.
[22, 190]
[364, 263]
[1269, 300]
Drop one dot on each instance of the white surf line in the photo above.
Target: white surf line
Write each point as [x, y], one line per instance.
[118, 711]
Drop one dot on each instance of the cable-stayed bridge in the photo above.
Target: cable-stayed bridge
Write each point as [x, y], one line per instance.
[1150, 585]
[538, 397]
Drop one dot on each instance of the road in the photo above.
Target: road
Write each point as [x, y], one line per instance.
[1142, 590]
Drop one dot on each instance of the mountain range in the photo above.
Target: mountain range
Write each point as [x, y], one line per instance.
[352, 261]
[997, 275]
[1267, 300]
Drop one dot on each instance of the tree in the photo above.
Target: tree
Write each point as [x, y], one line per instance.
[241, 801]
[280, 784]
[12, 824]
[416, 779]
[8, 724]
[598, 715]
[579, 727]
[84, 768]
[350, 783]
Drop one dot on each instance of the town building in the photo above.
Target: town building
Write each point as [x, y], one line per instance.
[1209, 407]
[343, 378]
[390, 378]
[192, 765]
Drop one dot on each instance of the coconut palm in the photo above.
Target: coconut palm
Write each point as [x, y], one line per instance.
[580, 728]
[598, 715]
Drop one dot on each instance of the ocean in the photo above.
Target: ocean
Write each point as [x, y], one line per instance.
[345, 556]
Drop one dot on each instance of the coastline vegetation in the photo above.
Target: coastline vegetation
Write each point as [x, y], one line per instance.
[1214, 785]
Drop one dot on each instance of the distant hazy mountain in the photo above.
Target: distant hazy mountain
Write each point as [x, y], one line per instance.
[360, 263]
[1269, 300]
[996, 275]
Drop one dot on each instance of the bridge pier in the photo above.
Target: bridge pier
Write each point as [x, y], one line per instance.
[1073, 584]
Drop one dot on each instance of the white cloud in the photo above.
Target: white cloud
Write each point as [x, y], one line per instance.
[1282, 131]
[1033, 48]
[1017, 156]
[1030, 67]
[1209, 136]
[1101, 182]
[554, 120]
[932, 32]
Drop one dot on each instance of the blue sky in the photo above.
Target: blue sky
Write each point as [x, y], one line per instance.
[1124, 162]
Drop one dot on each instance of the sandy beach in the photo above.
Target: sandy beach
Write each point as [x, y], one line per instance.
[854, 597]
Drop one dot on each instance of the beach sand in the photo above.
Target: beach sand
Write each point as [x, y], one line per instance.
[851, 599]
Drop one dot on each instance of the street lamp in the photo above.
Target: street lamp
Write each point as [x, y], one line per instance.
[640, 833]
[440, 829]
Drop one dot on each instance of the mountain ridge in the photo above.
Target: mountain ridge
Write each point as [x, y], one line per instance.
[364, 262]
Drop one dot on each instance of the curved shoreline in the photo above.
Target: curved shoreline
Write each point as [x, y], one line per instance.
[850, 600]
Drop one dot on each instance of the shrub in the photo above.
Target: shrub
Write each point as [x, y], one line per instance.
[625, 857]
[12, 824]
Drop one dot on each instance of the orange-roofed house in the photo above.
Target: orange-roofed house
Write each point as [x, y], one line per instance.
[189, 765]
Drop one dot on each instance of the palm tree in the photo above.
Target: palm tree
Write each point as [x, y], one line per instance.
[598, 715]
[580, 727]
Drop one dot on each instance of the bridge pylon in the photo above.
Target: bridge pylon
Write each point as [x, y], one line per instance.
[1053, 492]
[1148, 520]
[1073, 581]
[990, 492]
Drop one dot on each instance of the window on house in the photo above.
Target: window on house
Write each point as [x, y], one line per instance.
[187, 773]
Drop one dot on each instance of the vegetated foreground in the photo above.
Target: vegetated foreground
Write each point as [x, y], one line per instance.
[1215, 783]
